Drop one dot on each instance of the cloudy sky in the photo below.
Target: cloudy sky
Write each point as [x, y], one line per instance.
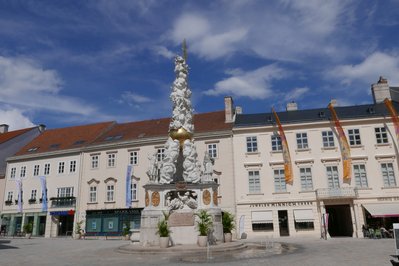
[66, 63]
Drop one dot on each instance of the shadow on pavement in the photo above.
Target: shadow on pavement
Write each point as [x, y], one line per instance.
[3, 244]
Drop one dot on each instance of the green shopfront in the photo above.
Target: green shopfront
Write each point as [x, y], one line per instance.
[112, 222]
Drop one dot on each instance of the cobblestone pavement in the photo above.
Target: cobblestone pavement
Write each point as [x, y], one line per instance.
[309, 252]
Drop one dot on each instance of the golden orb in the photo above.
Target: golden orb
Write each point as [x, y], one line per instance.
[180, 134]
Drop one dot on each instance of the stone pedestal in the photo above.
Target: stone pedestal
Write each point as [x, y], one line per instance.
[182, 221]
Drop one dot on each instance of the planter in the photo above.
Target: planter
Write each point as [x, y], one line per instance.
[135, 236]
[28, 235]
[202, 241]
[227, 237]
[164, 242]
[126, 237]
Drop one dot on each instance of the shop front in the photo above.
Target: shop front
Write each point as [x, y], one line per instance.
[12, 223]
[112, 222]
[62, 222]
[381, 214]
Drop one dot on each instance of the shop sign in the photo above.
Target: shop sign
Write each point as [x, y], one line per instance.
[63, 213]
[136, 211]
[282, 204]
[388, 199]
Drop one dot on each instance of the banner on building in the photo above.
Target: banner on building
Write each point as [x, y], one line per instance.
[394, 117]
[128, 186]
[286, 152]
[345, 149]
[44, 193]
[18, 182]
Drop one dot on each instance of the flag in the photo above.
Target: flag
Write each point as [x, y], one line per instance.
[345, 150]
[394, 117]
[19, 189]
[286, 152]
[128, 186]
[44, 193]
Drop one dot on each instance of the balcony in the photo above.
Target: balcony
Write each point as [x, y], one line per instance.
[63, 202]
[336, 193]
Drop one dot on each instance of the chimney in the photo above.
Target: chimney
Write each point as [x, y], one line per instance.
[3, 128]
[41, 128]
[238, 110]
[292, 106]
[380, 90]
[228, 109]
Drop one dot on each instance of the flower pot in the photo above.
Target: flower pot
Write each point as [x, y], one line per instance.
[202, 241]
[227, 237]
[28, 235]
[164, 242]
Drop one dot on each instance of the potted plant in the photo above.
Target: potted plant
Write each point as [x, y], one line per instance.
[164, 231]
[28, 228]
[79, 230]
[228, 225]
[204, 224]
[126, 231]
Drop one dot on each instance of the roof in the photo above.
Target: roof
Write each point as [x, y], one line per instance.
[4, 137]
[65, 138]
[314, 115]
[205, 122]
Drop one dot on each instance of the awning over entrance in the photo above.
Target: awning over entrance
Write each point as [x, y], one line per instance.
[383, 209]
[262, 217]
[303, 216]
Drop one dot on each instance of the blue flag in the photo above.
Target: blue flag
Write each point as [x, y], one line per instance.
[19, 189]
[128, 186]
[44, 193]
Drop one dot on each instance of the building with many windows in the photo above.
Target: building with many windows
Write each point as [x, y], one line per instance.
[266, 205]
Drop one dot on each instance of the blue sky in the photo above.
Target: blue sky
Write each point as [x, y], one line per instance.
[66, 63]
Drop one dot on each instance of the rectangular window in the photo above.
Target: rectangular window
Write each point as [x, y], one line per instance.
[302, 140]
[354, 137]
[359, 172]
[33, 194]
[213, 150]
[133, 190]
[47, 169]
[36, 170]
[111, 159]
[388, 175]
[328, 139]
[72, 166]
[276, 143]
[279, 181]
[306, 178]
[94, 161]
[61, 167]
[93, 194]
[254, 182]
[160, 154]
[64, 192]
[332, 176]
[23, 171]
[110, 193]
[9, 195]
[381, 135]
[134, 158]
[252, 144]
[13, 172]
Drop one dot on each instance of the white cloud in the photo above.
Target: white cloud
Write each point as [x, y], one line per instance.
[254, 84]
[163, 51]
[15, 118]
[24, 83]
[368, 71]
[132, 98]
[296, 94]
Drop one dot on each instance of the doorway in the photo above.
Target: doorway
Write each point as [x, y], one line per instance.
[42, 225]
[65, 225]
[283, 223]
[339, 220]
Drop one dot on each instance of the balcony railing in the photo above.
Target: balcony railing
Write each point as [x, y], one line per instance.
[334, 193]
[63, 202]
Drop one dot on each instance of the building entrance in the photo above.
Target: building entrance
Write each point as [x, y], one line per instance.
[65, 225]
[283, 223]
[339, 220]
[42, 225]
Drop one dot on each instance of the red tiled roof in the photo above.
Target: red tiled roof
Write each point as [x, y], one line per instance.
[12, 134]
[205, 122]
[65, 138]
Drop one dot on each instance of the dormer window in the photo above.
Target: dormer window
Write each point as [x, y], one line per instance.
[33, 149]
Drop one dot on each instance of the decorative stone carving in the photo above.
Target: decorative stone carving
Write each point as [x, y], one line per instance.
[191, 168]
[206, 197]
[168, 167]
[155, 198]
[147, 199]
[208, 168]
[176, 200]
[215, 197]
[152, 171]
